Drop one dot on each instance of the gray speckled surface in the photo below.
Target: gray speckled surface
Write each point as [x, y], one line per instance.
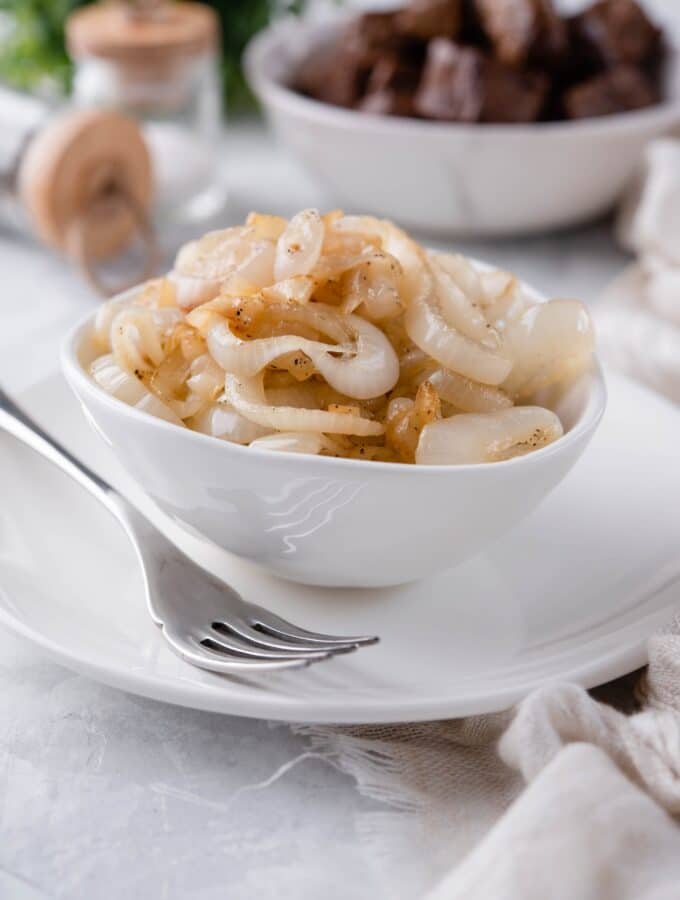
[105, 795]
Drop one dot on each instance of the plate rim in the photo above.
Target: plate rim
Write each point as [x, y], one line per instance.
[282, 708]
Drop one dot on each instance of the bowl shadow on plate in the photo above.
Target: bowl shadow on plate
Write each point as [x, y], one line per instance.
[396, 614]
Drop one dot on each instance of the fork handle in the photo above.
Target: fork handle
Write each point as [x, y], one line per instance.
[145, 536]
[20, 425]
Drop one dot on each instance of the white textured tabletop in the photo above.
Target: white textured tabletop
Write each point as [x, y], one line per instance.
[105, 795]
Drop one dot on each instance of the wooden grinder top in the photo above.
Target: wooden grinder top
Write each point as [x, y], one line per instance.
[85, 182]
[142, 32]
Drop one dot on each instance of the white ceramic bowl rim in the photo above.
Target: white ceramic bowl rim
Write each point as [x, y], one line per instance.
[588, 418]
[273, 44]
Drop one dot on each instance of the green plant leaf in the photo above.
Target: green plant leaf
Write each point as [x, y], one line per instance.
[33, 55]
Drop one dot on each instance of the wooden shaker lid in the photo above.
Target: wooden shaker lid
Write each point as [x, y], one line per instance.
[142, 32]
[87, 170]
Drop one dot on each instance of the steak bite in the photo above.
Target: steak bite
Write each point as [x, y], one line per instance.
[621, 89]
[616, 32]
[491, 61]
[339, 73]
[524, 31]
[461, 84]
[425, 19]
[332, 75]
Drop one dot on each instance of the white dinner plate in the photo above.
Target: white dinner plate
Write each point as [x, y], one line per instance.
[573, 593]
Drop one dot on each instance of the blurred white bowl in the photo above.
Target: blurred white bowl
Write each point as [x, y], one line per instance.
[447, 177]
[320, 520]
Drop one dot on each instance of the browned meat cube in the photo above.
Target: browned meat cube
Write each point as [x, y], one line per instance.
[621, 89]
[389, 102]
[393, 73]
[333, 75]
[613, 32]
[511, 95]
[451, 83]
[372, 34]
[339, 73]
[461, 84]
[391, 88]
[425, 19]
[471, 31]
[524, 31]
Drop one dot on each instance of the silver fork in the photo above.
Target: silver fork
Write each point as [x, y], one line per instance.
[203, 619]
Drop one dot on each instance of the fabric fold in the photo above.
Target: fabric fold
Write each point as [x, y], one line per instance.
[580, 830]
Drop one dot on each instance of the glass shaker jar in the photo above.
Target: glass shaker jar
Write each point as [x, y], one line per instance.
[158, 61]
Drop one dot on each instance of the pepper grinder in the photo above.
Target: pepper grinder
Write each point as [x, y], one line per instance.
[79, 181]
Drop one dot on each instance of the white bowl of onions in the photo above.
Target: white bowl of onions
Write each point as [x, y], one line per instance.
[328, 399]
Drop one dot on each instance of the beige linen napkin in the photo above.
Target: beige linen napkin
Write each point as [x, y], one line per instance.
[638, 318]
[595, 821]
[581, 831]
[603, 778]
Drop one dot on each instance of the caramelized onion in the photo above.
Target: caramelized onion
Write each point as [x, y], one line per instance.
[137, 334]
[293, 442]
[550, 342]
[487, 437]
[299, 247]
[191, 291]
[468, 395]
[221, 421]
[116, 381]
[367, 367]
[247, 396]
[459, 310]
[341, 335]
[428, 329]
